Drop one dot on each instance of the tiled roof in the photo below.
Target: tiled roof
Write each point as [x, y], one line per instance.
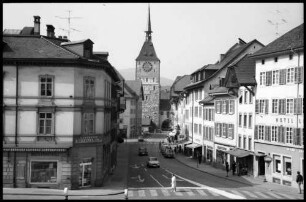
[180, 84]
[147, 52]
[207, 100]
[12, 31]
[76, 42]
[135, 85]
[291, 40]
[218, 90]
[34, 47]
[27, 31]
[164, 105]
[245, 71]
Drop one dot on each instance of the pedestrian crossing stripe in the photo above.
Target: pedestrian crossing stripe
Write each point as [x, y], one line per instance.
[274, 195]
[165, 192]
[250, 194]
[189, 192]
[213, 193]
[178, 193]
[201, 192]
[261, 194]
[287, 196]
[141, 193]
[238, 193]
[130, 193]
[153, 192]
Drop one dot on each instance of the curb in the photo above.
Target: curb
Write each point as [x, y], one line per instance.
[212, 174]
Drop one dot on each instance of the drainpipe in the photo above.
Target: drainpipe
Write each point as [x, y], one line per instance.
[16, 128]
[297, 94]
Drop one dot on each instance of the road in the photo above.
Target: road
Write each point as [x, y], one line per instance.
[153, 183]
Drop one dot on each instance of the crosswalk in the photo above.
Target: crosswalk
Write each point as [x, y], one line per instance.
[204, 193]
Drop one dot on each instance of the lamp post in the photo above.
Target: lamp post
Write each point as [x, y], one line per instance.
[268, 160]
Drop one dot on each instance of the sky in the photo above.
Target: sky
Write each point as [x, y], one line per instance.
[186, 36]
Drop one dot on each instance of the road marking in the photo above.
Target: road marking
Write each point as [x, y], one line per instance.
[219, 191]
[287, 196]
[189, 192]
[156, 181]
[272, 194]
[178, 193]
[201, 192]
[238, 193]
[141, 193]
[165, 192]
[153, 192]
[261, 194]
[213, 193]
[250, 194]
[130, 193]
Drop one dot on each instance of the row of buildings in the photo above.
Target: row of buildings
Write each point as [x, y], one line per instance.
[61, 108]
[247, 107]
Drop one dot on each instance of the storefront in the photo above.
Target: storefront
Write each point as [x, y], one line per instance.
[196, 149]
[221, 155]
[209, 154]
[244, 160]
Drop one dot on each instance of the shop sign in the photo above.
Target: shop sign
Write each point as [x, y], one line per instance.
[88, 139]
[221, 148]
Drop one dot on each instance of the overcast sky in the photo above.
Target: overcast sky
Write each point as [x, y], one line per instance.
[185, 36]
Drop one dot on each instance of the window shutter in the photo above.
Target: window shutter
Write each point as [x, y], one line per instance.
[227, 107]
[266, 106]
[296, 74]
[233, 104]
[257, 106]
[269, 133]
[216, 124]
[295, 106]
[220, 129]
[216, 106]
[302, 75]
[256, 132]
[266, 133]
[282, 77]
[294, 136]
[299, 106]
[226, 130]
[269, 78]
[283, 134]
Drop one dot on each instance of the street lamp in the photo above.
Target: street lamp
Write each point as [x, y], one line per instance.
[268, 160]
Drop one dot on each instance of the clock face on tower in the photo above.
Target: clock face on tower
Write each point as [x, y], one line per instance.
[147, 66]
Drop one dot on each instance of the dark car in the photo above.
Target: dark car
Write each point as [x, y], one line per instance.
[140, 139]
[142, 151]
[169, 153]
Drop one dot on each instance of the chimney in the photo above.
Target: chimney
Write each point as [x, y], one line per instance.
[50, 31]
[221, 57]
[36, 25]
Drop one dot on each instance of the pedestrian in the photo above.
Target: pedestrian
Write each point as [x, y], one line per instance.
[227, 168]
[299, 180]
[173, 183]
[234, 167]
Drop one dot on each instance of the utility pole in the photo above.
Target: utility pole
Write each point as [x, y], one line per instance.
[69, 21]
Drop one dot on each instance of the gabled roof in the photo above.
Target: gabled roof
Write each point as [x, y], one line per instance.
[76, 42]
[27, 31]
[179, 84]
[245, 71]
[34, 47]
[208, 100]
[12, 31]
[147, 52]
[135, 85]
[293, 39]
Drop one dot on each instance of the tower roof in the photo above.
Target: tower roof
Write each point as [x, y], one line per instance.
[147, 52]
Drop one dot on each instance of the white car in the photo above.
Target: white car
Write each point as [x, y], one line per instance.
[153, 162]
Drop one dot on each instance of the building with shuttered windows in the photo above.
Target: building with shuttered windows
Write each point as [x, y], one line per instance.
[279, 114]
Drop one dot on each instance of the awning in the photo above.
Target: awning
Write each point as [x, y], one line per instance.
[184, 142]
[259, 154]
[193, 145]
[239, 153]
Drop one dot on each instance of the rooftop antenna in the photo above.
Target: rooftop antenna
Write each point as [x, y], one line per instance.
[276, 23]
[69, 28]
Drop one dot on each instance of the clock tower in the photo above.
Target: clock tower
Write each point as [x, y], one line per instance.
[148, 71]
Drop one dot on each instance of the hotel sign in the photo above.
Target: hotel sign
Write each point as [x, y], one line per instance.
[88, 139]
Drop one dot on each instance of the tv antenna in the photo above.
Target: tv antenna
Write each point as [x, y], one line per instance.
[69, 19]
[277, 23]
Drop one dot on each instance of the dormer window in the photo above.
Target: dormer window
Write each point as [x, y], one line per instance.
[262, 62]
[87, 53]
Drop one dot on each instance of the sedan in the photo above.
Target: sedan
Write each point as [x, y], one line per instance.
[153, 162]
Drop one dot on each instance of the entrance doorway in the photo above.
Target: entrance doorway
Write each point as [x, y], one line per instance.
[85, 174]
[261, 165]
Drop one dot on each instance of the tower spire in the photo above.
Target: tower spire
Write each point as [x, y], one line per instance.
[149, 31]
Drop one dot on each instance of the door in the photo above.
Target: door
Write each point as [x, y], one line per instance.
[261, 166]
[85, 174]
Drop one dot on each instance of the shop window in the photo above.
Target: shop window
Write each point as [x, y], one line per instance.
[43, 172]
[287, 166]
[277, 164]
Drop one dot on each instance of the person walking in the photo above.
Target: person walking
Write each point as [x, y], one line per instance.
[173, 183]
[227, 168]
[234, 167]
[299, 180]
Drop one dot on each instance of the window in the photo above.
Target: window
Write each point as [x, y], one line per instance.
[245, 118]
[200, 129]
[287, 166]
[274, 106]
[231, 131]
[251, 97]
[224, 132]
[275, 77]
[196, 95]
[244, 142]
[46, 86]
[274, 133]
[200, 112]
[218, 107]
[45, 123]
[239, 141]
[275, 59]
[241, 97]
[231, 106]
[282, 76]
[223, 107]
[262, 62]
[195, 128]
[262, 78]
[240, 120]
[250, 120]
[261, 106]
[277, 164]
[196, 111]
[290, 75]
[282, 106]
[289, 135]
[200, 94]
[89, 87]
[289, 107]
[250, 143]
[290, 56]
[260, 132]
[269, 78]
[43, 172]
[245, 96]
[88, 123]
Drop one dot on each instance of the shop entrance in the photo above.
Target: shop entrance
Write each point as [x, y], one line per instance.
[85, 174]
[261, 165]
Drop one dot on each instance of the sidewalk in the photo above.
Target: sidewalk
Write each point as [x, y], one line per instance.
[247, 180]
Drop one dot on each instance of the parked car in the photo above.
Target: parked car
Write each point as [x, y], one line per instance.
[153, 162]
[140, 139]
[142, 151]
